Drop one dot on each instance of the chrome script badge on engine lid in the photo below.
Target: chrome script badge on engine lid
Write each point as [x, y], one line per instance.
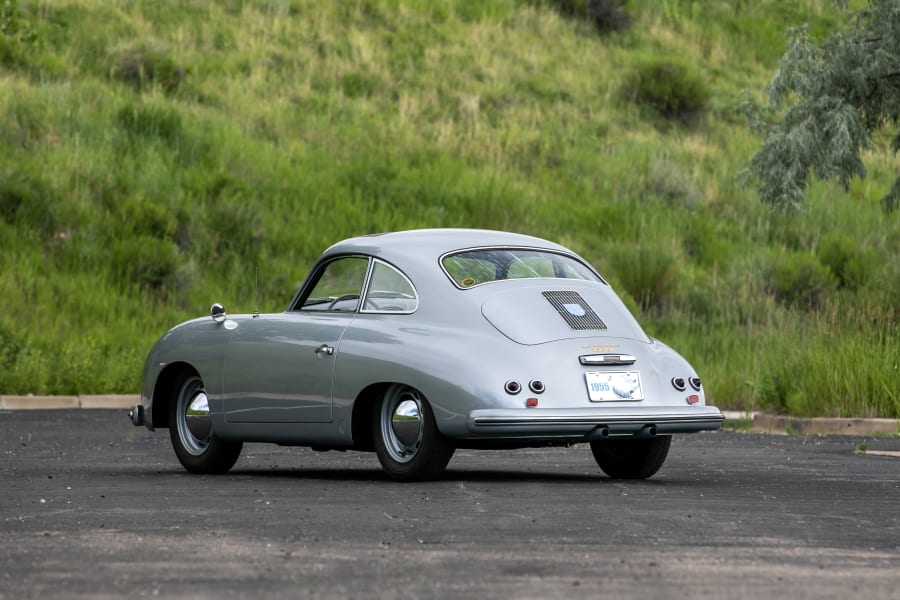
[615, 386]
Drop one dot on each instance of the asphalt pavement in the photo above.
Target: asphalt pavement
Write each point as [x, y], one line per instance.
[92, 507]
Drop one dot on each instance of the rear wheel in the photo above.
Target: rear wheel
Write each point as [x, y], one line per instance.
[190, 428]
[407, 441]
[631, 458]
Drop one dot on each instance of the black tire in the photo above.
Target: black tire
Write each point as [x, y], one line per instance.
[196, 446]
[631, 458]
[407, 441]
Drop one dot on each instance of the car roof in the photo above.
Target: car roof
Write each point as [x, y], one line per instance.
[435, 242]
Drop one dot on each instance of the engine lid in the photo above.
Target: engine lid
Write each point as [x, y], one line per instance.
[541, 314]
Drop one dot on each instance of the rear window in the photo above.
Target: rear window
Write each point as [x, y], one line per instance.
[469, 268]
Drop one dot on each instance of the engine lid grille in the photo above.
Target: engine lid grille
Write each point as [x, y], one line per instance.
[573, 308]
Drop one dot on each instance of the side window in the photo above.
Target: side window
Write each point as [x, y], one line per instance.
[339, 286]
[389, 291]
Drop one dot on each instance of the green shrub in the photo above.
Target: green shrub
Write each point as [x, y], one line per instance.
[148, 121]
[236, 231]
[670, 182]
[606, 15]
[26, 202]
[146, 261]
[648, 272]
[800, 280]
[142, 216]
[10, 346]
[358, 85]
[142, 69]
[669, 88]
[16, 36]
[848, 262]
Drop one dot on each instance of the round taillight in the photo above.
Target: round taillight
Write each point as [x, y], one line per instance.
[679, 384]
[512, 387]
[536, 386]
[695, 383]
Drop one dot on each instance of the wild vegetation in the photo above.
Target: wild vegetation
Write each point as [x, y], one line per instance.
[154, 154]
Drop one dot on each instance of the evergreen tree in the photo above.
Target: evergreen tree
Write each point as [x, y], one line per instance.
[834, 94]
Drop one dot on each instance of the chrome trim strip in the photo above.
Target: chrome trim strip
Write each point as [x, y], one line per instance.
[591, 360]
[539, 420]
[568, 254]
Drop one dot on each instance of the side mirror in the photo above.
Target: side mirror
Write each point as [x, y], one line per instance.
[217, 312]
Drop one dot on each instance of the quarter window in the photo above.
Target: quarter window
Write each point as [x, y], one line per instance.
[389, 291]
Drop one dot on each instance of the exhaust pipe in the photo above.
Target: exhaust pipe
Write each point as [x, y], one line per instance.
[600, 432]
[647, 431]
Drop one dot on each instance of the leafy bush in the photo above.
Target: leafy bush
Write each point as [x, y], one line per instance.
[149, 121]
[648, 272]
[669, 88]
[26, 202]
[846, 260]
[146, 261]
[11, 345]
[706, 241]
[800, 280]
[670, 182]
[358, 85]
[16, 36]
[606, 15]
[142, 69]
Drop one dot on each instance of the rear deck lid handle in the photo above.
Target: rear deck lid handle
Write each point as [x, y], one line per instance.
[606, 359]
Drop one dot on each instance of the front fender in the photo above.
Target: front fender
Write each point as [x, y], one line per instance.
[199, 345]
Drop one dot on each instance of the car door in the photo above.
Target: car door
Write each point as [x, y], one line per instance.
[279, 368]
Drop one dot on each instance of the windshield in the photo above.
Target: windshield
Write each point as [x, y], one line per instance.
[469, 268]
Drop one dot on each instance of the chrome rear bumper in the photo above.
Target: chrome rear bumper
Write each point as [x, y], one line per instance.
[612, 421]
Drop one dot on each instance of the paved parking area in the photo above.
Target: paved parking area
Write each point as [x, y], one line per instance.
[93, 507]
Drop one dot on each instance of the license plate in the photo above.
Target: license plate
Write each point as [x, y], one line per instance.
[613, 386]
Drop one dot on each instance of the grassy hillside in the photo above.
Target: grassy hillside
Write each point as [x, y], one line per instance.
[152, 154]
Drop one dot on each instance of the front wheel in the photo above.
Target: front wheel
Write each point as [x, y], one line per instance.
[190, 427]
[631, 458]
[407, 441]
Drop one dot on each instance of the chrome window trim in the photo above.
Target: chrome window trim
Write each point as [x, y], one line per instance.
[313, 279]
[574, 257]
[365, 296]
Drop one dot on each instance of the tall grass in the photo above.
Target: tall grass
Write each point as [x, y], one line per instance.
[153, 155]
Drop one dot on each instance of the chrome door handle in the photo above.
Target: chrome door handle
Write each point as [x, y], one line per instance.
[325, 349]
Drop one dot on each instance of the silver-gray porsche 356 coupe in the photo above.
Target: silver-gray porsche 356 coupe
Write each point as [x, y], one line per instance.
[416, 343]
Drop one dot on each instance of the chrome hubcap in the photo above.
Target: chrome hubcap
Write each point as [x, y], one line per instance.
[197, 416]
[194, 424]
[401, 423]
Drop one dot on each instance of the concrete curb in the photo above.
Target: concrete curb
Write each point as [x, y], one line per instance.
[123, 401]
[779, 424]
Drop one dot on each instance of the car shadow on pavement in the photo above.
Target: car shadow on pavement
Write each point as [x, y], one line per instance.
[451, 475]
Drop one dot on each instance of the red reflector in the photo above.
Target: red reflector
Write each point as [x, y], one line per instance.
[531, 402]
[693, 399]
